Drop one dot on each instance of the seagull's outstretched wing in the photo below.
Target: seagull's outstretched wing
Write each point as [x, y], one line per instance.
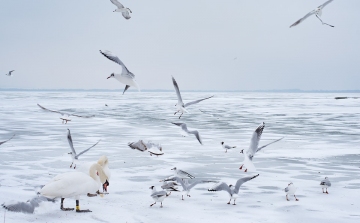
[197, 101]
[186, 173]
[62, 113]
[7, 140]
[82, 116]
[325, 4]
[260, 148]
[220, 186]
[197, 135]
[303, 18]
[115, 59]
[117, 3]
[73, 152]
[241, 181]
[26, 207]
[77, 156]
[177, 90]
[193, 184]
[254, 143]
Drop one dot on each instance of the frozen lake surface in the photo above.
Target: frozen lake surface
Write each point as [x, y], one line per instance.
[322, 138]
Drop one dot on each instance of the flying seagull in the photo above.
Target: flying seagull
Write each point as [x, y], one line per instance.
[73, 154]
[7, 140]
[325, 184]
[290, 190]
[317, 12]
[180, 106]
[158, 196]
[186, 132]
[10, 73]
[232, 190]
[122, 9]
[253, 148]
[65, 116]
[226, 147]
[126, 77]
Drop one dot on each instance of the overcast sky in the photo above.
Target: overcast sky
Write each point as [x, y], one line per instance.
[204, 44]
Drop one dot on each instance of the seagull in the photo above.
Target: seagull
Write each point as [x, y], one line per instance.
[182, 174]
[122, 9]
[126, 77]
[186, 132]
[26, 207]
[232, 190]
[171, 186]
[156, 150]
[7, 140]
[139, 145]
[253, 148]
[180, 106]
[226, 147]
[186, 185]
[317, 12]
[158, 196]
[65, 116]
[10, 73]
[73, 154]
[325, 184]
[290, 190]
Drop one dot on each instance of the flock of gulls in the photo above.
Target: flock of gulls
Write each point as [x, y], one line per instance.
[88, 180]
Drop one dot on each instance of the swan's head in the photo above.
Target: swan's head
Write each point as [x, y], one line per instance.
[105, 185]
[111, 75]
[103, 161]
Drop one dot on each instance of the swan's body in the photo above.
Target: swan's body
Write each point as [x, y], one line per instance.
[124, 11]
[232, 190]
[325, 183]
[290, 190]
[158, 196]
[126, 77]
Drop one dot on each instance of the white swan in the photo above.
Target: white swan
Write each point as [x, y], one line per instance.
[73, 185]
[104, 163]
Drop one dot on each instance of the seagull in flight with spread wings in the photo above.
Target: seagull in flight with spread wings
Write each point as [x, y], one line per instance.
[124, 11]
[10, 73]
[180, 106]
[317, 12]
[186, 132]
[65, 117]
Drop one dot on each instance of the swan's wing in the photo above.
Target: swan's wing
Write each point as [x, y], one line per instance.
[268, 144]
[254, 143]
[197, 101]
[303, 18]
[26, 207]
[220, 186]
[241, 181]
[197, 135]
[7, 140]
[62, 113]
[71, 143]
[177, 90]
[126, 14]
[186, 174]
[325, 4]
[115, 59]
[87, 149]
[117, 3]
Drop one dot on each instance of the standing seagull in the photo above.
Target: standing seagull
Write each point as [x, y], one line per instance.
[180, 106]
[290, 190]
[126, 77]
[7, 140]
[65, 116]
[73, 154]
[182, 174]
[253, 148]
[226, 147]
[10, 73]
[232, 190]
[325, 184]
[317, 12]
[122, 9]
[186, 132]
[158, 196]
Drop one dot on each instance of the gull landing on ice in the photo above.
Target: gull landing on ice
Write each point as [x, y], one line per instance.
[180, 106]
[120, 8]
[317, 12]
[65, 117]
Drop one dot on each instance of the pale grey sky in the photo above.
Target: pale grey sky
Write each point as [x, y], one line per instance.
[55, 44]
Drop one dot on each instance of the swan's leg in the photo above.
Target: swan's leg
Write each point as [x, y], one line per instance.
[152, 204]
[287, 198]
[229, 201]
[62, 206]
[296, 198]
[78, 208]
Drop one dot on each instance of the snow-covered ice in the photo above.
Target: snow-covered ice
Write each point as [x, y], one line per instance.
[322, 138]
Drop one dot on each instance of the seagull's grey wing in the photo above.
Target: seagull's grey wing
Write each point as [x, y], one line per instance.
[115, 59]
[197, 101]
[180, 181]
[303, 18]
[325, 4]
[268, 144]
[197, 134]
[126, 14]
[11, 71]
[117, 3]
[325, 182]
[138, 145]
[71, 143]
[228, 147]
[177, 90]
[220, 186]
[87, 149]
[158, 194]
[186, 173]
[25, 207]
[62, 113]
[83, 116]
[254, 143]
[178, 123]
[241, 181]
[286, 189]
[7, 140]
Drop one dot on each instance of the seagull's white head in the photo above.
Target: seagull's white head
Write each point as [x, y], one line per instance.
[112, 75]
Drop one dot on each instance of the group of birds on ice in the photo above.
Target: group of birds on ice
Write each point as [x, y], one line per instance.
[88, 181]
